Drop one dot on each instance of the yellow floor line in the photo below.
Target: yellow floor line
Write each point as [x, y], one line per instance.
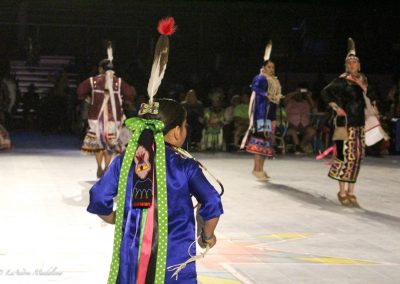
[335, 260]
[285, 236]
[216, 280]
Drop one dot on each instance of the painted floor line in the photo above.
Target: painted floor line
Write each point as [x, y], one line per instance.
[236, 273]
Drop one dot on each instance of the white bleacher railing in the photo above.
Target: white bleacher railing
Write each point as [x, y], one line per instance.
[39, 74]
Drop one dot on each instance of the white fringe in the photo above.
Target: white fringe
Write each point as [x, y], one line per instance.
[180, 266]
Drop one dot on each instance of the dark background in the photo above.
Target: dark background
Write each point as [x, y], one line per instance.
[218, 42]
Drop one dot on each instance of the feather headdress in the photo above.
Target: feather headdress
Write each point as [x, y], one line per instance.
[166, 27]
[268, 49]
[351, 50]
[107, 63]
[109, 52]
[149, 176]
[110, 79]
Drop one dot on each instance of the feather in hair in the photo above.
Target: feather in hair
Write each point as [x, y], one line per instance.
[165, 27]
[109, 52]
[351, 46]
[268, 50]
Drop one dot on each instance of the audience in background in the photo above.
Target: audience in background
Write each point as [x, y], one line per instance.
[298, 108]
[241, 118]
[229, 123]
[216, 121]
[195, 119]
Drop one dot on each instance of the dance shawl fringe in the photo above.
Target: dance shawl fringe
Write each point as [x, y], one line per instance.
[251, 120]
[137, 125]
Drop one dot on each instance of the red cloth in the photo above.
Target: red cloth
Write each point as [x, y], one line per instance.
[85, 89]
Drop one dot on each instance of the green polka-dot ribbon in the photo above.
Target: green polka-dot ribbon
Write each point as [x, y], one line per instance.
[137, 125]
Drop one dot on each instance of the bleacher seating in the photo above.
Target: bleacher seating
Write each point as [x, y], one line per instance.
[39, 74]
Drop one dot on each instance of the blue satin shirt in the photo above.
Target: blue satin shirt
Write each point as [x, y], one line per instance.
[260, 86]
[184, 178]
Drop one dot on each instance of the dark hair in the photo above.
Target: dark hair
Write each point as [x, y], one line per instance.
[170, 112]
[106, 64]
[267, 61]
[303, 85]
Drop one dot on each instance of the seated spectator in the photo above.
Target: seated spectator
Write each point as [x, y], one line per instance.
[393, 115]
[394, 98]
[195, 118]
[298, 108]
[281, 125]
[9, 89]
[229, 123]
[214, 121]
[5, 142]
[241, 117]
[214, 95]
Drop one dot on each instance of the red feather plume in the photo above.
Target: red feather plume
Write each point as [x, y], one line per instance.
[166, 26]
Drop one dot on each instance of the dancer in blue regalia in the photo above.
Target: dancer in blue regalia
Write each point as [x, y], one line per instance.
[154, 184]
[265, 96]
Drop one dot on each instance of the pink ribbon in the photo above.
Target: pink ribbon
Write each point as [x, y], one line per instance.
[145, 253]
[326, 153]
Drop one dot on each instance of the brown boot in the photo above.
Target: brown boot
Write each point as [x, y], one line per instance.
[344, 200]
[260, 175]
[353, 200]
